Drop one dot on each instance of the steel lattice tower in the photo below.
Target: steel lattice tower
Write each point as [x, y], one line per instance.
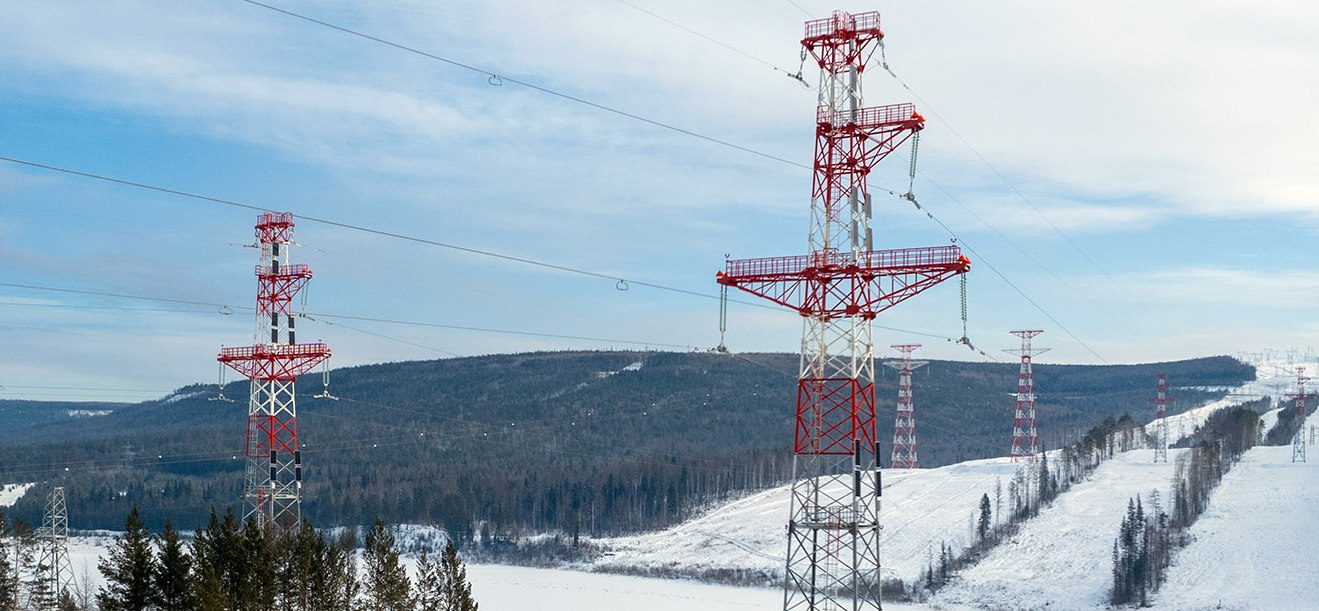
[272, 483]
[839, 288]
[1025, 439]
[1161, 429]
[55, 570]
[1298, 441]
[904, 426]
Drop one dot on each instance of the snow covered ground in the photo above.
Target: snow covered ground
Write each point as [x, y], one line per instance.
[1062, 559]
[920, 509]
[1253, 543]
[10, 493]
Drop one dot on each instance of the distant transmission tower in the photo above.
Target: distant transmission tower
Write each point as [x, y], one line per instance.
[1298, 441]
[272, 483]
[1025, 439]
[839, 288]
[56, 573]
[1161, 429]
[904, 427]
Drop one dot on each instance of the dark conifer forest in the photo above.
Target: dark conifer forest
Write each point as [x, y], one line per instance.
[579, 443]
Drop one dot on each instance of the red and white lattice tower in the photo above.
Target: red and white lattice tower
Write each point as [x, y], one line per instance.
[838, 288]
[1025, 439]
[1161, 415]
[272, 483]
[903, 455]
[1298, 441]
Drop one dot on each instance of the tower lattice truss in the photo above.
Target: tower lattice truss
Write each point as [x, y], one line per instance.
[1298, 440]
[55, 571]
[272, 482]
[839, 287]
[904, 455]
[1025, 437]
[1161, 402]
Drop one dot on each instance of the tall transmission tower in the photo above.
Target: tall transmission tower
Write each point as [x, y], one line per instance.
[904, 426]
[1161, 429]
[56, 572]
[838, 288]
[1298, 441]
[272, 482]
[1025, 439]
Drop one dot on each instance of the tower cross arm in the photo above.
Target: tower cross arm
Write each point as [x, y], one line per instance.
[832, 284]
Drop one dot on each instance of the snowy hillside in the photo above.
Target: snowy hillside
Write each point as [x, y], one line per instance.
[1252, 544]
[922, 508]
[1063, 557]
[1244, 553]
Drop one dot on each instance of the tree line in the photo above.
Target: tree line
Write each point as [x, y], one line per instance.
[235, 565]
[1147, 540]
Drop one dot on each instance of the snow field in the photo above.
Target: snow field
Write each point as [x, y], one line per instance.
[1063, 557]
[1253, 545]
[920, 508]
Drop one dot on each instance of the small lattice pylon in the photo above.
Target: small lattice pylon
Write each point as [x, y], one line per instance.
[1298, 440]
[904, 455]
[55, 572]
[1161, 402]
[1025, 437]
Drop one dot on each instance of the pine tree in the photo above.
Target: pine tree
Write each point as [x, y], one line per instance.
[128, 568]
[207, 588]
[454, 577]
[430, 589]
[333, 577]
[982, 528]
[352, 587]
[173, 585]
[386, 586]
[259, 554]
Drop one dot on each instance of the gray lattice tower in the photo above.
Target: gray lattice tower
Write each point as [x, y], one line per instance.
[55, 570]
[1298, 440]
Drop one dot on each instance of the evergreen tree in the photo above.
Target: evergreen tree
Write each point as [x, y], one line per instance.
[207, 588]
[333, 577]
[65, 602]
[128, 568]
[430, 589]
[352, 587]
[986, 517]
[172, 578]
[259, 554]
[386, 586]
[453, 575]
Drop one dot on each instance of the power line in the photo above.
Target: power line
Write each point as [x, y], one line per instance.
[621, 281]
[792, 75]
[495, 76]
[315, 315]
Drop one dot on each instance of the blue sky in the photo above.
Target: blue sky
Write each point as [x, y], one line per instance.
[1144, 174]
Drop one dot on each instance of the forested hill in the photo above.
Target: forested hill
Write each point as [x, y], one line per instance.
[590, 442]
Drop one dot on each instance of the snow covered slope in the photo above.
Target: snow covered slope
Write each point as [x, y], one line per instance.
[1253, 544]
[1063, 557]
[921, 508]
[10, 493]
